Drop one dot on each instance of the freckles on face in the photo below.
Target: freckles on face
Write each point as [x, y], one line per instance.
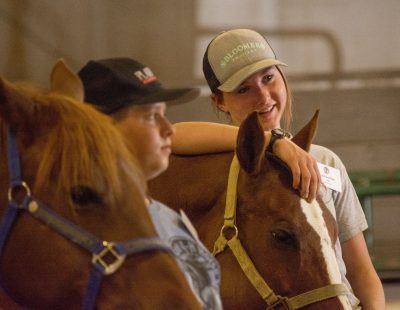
[264, 92]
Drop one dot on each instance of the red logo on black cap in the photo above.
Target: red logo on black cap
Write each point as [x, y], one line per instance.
[145, 75]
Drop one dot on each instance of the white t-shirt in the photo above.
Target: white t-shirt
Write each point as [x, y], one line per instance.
[344, 206]
[199, 266]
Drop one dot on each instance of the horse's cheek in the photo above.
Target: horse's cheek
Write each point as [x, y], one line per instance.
[236, 289]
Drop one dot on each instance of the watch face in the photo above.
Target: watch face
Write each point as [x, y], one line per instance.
[278, 132]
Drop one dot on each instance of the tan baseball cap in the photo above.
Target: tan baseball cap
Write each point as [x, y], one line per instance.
[234, 55]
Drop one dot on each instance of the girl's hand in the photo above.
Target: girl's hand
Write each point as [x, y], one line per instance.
[306, 177]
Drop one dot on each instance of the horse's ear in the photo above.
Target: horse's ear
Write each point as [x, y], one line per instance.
[66, 81]
[306, 135]
[250, 148]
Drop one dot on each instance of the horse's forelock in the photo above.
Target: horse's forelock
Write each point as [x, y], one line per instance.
[84, 148]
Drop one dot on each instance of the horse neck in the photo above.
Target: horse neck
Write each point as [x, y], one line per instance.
[206, 183]
[197, 185]
[3, 168]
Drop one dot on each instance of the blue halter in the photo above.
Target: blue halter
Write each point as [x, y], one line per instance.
[98, 248]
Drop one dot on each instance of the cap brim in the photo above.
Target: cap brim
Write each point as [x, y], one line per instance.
[169, 96]
[237, 78]
[182, 95]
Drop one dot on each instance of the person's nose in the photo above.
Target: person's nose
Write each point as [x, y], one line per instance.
[166, 127]
[263, 95]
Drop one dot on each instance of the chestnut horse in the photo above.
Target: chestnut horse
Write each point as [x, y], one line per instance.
[75, 230]
[283, 244]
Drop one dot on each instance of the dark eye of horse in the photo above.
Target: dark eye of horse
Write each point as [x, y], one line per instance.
[284, 237]
[84, 196]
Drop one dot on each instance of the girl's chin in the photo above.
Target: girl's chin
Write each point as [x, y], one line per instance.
[269, 120]
[269, 125]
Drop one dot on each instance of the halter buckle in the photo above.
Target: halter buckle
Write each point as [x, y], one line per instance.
[109, 252]
[282, 303]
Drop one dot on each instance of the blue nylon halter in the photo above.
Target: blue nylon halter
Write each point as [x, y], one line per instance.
[71, 231]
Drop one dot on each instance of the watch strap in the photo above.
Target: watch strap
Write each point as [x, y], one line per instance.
[276, 134]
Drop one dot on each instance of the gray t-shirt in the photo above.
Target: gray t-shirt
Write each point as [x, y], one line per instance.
[344, 206]
[199, 266]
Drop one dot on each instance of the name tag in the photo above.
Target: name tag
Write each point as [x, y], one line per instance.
[189, 225]
[330, 177]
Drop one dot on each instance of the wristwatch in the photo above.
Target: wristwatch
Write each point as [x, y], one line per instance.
[276, 134]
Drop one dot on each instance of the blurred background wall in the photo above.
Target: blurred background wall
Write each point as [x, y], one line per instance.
[342, 55]
[343, 58]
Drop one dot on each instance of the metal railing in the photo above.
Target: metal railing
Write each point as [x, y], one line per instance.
[370, 184]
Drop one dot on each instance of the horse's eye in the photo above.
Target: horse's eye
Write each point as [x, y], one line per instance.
[84, 195]
[284, 237]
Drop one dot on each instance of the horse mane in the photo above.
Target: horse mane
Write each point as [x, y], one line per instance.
[82, 147]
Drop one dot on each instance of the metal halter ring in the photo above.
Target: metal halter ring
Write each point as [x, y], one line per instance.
[225, 229]
[23, 185]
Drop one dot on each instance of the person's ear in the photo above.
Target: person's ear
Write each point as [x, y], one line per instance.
[218, 102]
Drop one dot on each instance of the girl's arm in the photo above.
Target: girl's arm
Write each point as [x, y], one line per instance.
[362, 275]
[203, 138]
[207, 137]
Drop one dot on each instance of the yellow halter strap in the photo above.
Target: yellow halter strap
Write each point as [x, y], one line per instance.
[247, 265]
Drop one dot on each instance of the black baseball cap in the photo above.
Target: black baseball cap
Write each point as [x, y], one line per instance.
[114, 83]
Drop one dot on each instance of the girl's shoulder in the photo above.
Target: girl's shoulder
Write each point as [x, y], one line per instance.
[326, 156]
